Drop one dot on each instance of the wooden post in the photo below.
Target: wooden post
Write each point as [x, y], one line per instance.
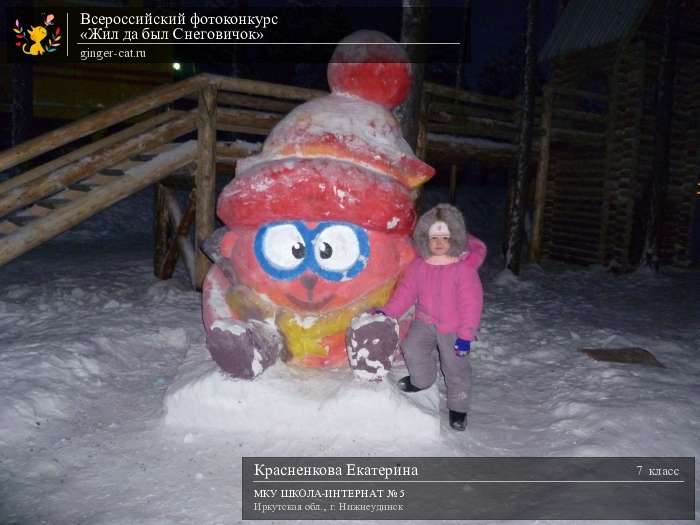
[515, 231]
[541, 180]
[180, 243]
[422, 139]
[662, 138]
[205, 178]
[161, 230]
[452, 195]
[458, 84]
[414, 26]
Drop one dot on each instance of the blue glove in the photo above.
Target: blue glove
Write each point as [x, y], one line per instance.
[462, 347]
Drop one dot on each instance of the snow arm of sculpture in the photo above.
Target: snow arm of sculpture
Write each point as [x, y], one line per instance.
[242, 348]
[371, 344]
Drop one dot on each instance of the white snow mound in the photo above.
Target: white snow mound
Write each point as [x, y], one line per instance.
[298, 404]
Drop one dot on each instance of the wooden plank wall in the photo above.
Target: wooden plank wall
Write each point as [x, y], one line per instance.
[575, 183]
[686, 176]
[572, 227]
[685, 152]
[684, 167]
[627, 170]
[622, 178]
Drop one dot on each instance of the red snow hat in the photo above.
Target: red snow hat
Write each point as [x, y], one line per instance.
[363, 168]
[317, 190]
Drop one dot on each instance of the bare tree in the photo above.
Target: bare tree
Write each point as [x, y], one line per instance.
[463, 48]
[516, 210]
[664, 111]
[414, 27]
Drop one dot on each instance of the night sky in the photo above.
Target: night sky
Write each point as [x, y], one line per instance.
[496, 27]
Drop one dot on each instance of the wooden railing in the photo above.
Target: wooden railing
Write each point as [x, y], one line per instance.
[455, 125]
[49, 198]
[98, 122]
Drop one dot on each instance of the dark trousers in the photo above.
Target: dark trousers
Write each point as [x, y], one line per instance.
[419, 352]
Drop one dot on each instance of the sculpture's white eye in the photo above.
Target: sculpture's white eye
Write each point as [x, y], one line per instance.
[283, 246]
[336, 248]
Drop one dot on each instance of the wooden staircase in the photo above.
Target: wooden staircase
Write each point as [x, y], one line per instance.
[161, 139]
[58, 211]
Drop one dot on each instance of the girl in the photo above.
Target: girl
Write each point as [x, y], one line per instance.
[444, 285]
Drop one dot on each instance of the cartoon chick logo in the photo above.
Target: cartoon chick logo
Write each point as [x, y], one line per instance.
[33, 41]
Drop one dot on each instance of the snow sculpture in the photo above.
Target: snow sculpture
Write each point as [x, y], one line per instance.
[317, 226]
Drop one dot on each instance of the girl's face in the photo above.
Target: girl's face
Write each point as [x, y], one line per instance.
[439, 244]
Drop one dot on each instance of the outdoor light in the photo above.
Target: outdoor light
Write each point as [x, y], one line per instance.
[176, 66]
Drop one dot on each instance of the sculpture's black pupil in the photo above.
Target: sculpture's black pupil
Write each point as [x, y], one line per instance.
[326, 251]
[299, 250]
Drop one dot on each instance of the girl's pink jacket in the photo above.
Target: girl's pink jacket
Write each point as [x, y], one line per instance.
[449, 296]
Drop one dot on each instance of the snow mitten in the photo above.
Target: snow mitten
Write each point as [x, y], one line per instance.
[371, 343]
[243, 349]
[462, 347]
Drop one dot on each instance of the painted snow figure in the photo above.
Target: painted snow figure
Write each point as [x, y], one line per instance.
[317, 225]
[444, 286]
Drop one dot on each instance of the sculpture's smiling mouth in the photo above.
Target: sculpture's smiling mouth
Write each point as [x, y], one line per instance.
[309, 305]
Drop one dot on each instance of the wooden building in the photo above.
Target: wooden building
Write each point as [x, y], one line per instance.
[596, 194]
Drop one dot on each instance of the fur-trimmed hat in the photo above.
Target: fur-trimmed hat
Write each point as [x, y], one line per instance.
[455, 223]
[338, 157]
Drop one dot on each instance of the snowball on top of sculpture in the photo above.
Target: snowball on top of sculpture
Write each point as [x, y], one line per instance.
[370, 65]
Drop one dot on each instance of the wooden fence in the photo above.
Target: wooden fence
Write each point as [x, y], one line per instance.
[173, 130]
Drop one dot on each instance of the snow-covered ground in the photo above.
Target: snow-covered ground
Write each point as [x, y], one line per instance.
[113, 414]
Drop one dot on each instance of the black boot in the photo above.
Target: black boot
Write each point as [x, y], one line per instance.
[458, 420]
[406, 385]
